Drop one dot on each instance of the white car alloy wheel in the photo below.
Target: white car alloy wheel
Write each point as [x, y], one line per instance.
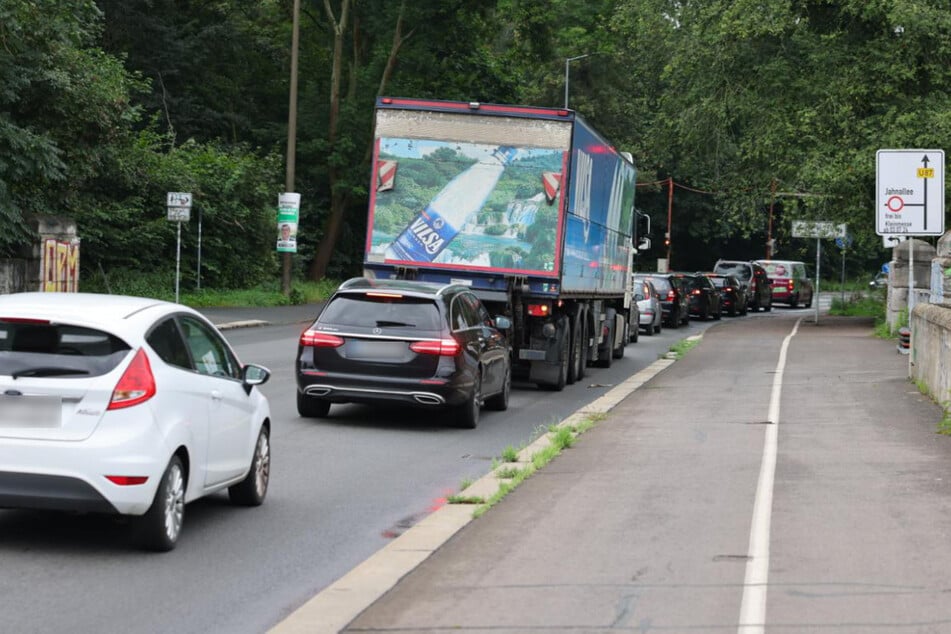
[252, 490]
[174, 501]
[262, 465]
[161, 525]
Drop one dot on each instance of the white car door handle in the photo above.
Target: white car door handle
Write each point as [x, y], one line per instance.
[216, 395]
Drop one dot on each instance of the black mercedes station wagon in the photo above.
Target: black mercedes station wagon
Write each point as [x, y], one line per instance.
[397, 341]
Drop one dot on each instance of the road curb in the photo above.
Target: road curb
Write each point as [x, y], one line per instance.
[332, 609]
[247, 323]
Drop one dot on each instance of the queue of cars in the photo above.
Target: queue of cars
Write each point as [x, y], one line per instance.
[733, 287]
[135, 406]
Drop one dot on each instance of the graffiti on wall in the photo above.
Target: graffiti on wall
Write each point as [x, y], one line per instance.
[60, 266]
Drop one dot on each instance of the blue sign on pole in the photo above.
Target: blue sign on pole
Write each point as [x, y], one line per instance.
[886, 268]
[843, 242]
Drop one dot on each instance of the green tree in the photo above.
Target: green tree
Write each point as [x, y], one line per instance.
[64, 109]
[217, 69]
[373, 48]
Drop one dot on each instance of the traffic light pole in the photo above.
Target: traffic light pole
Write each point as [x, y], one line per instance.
[769, 228]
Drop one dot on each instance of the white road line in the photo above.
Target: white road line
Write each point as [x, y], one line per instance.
[753, 607]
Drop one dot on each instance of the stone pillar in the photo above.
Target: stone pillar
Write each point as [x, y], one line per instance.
[941, 273]
[924, 253]
[54, 265]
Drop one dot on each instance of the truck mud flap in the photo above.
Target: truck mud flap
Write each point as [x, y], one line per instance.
[544, 373]
[548, 366]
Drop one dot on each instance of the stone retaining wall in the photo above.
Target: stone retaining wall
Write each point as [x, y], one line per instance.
[929, 364]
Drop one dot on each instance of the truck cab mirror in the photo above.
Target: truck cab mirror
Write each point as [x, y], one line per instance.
[502, 322]
[643, 244]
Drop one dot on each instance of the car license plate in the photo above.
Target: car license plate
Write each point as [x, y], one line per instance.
[376, 350]
[30, 411]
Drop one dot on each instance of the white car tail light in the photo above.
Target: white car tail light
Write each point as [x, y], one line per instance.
[136, 385]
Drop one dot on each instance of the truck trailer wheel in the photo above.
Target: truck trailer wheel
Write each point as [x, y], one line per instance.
[578, 360]
[606, 348]
[618, 352]
[564, 355]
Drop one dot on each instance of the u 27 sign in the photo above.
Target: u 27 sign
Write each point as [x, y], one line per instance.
[909, 192]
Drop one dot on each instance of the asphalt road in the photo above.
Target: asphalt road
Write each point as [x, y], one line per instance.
[340, 490]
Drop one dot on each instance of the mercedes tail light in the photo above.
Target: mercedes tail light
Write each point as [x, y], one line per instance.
[314, 339]
[136, 385]
[442, 348]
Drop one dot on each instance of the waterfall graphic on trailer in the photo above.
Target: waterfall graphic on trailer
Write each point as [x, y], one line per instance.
[446, 214]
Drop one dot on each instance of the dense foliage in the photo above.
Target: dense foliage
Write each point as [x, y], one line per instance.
[746, 105]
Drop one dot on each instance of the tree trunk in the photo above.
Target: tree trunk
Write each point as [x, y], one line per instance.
[338, 201]
[398, 39]
[328, 241]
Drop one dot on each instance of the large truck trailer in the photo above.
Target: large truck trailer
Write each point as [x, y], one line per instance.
[530, 207]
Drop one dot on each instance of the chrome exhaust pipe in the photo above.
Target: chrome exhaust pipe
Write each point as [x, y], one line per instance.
[428, 399]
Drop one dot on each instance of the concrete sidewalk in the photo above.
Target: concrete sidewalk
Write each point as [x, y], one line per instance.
[575, 548]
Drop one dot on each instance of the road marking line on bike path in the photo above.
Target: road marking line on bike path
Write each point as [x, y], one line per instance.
[753, 606]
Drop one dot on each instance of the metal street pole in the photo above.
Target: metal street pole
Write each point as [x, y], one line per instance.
[670, 215]
[815, 295]
[911, 277]
[199, 250]
[842, 280]
[568, 61]
[178, 258]
[769, 229]
[291, 136]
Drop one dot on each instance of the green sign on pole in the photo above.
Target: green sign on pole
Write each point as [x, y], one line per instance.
[288, 215]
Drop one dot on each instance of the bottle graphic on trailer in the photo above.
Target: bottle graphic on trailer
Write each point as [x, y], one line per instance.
[445, 215]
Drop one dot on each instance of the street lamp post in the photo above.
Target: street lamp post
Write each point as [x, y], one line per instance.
[567, 62]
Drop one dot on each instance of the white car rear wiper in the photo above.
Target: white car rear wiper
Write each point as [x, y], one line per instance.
[48, 371]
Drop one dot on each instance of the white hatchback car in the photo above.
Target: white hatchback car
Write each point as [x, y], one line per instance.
[127, 405]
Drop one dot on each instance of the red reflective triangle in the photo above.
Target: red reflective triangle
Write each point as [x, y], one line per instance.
[552, 183]
[385, 175]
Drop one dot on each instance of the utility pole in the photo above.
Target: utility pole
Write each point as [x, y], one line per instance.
[291, 136]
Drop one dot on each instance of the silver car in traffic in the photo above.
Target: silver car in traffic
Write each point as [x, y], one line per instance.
[648, 303]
